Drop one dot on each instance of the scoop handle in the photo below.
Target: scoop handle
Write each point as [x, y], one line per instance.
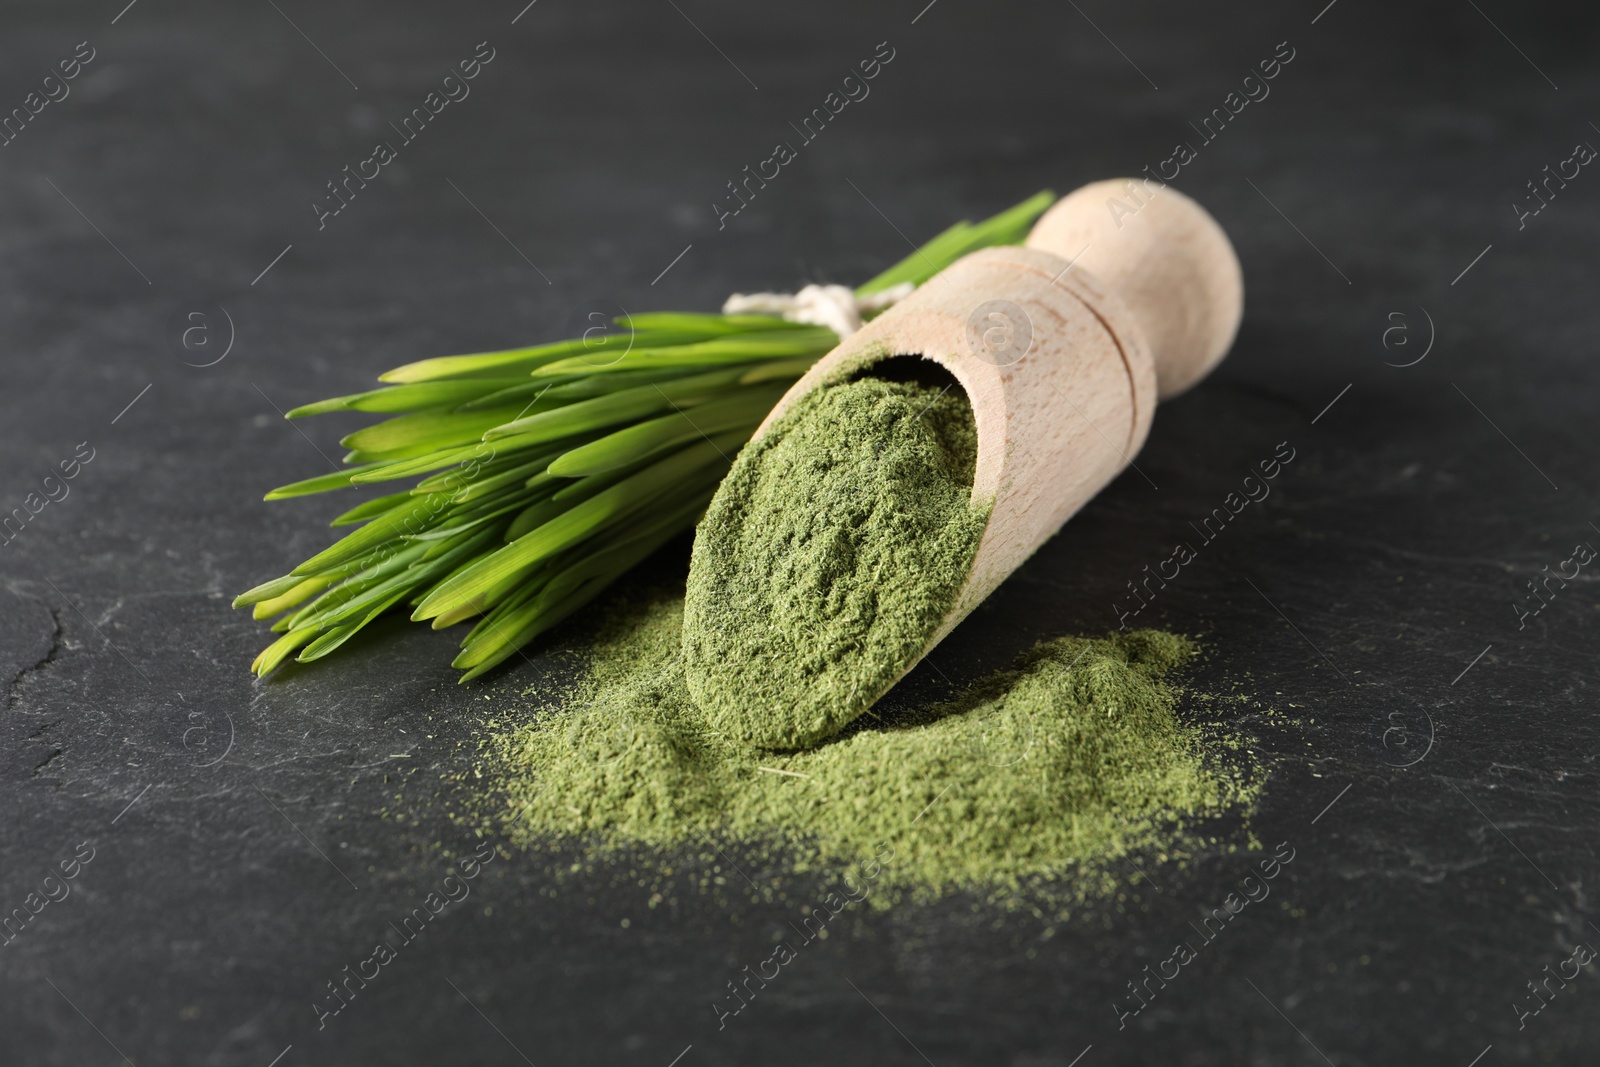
[1166, 258]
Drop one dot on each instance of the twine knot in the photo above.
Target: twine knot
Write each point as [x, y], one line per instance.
[835, 306]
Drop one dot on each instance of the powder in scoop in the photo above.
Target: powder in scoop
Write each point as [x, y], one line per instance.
[829, 555]
[1039, 778]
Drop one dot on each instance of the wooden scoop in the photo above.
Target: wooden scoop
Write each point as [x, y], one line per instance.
[1123, 294]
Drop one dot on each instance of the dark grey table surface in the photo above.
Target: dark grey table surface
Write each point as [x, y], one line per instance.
[1433, 759]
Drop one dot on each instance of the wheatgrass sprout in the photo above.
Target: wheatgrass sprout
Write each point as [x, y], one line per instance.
[543, 474]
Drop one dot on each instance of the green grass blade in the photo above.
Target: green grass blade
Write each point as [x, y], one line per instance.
[396, 582]
[321, 484]
[280, 650]
[1012, 225]
[710, 324]
[461, 477]
[786, 370]
[515, 476]
[1007, 227]
[536, 515]
[338, 635]
[399, 555]
[740, 348]
[430, 461]
[413, 397]
[417, 450]
[292, 598]
[460, 524]
[522, 392]
[921, 264]
[428, 512]
[370, 509]
[495, 616]
[332, 637]
[502, 640]
[496, 640]
[630, 445]
[434, 429]
[487, 581]
[267, 590]
[526, 589]
[513, 362]
[619, 407]
[593, 385]
[582, 488]
[508, 363]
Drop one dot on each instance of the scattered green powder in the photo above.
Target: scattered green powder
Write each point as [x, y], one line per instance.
[1031, 785]
[830, 554]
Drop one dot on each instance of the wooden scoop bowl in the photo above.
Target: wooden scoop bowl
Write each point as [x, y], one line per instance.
[1123, 294]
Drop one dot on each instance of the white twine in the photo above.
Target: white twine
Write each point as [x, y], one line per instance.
[835, 306]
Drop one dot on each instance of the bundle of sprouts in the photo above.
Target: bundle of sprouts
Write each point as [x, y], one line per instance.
[548, 472]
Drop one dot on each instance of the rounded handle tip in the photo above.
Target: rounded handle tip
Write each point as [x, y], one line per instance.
[1168, 260]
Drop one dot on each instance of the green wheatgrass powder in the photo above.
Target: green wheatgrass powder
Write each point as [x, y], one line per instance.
[829, 555]
[1027, 789]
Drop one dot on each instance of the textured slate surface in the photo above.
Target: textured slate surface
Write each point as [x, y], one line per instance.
[249, 841]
